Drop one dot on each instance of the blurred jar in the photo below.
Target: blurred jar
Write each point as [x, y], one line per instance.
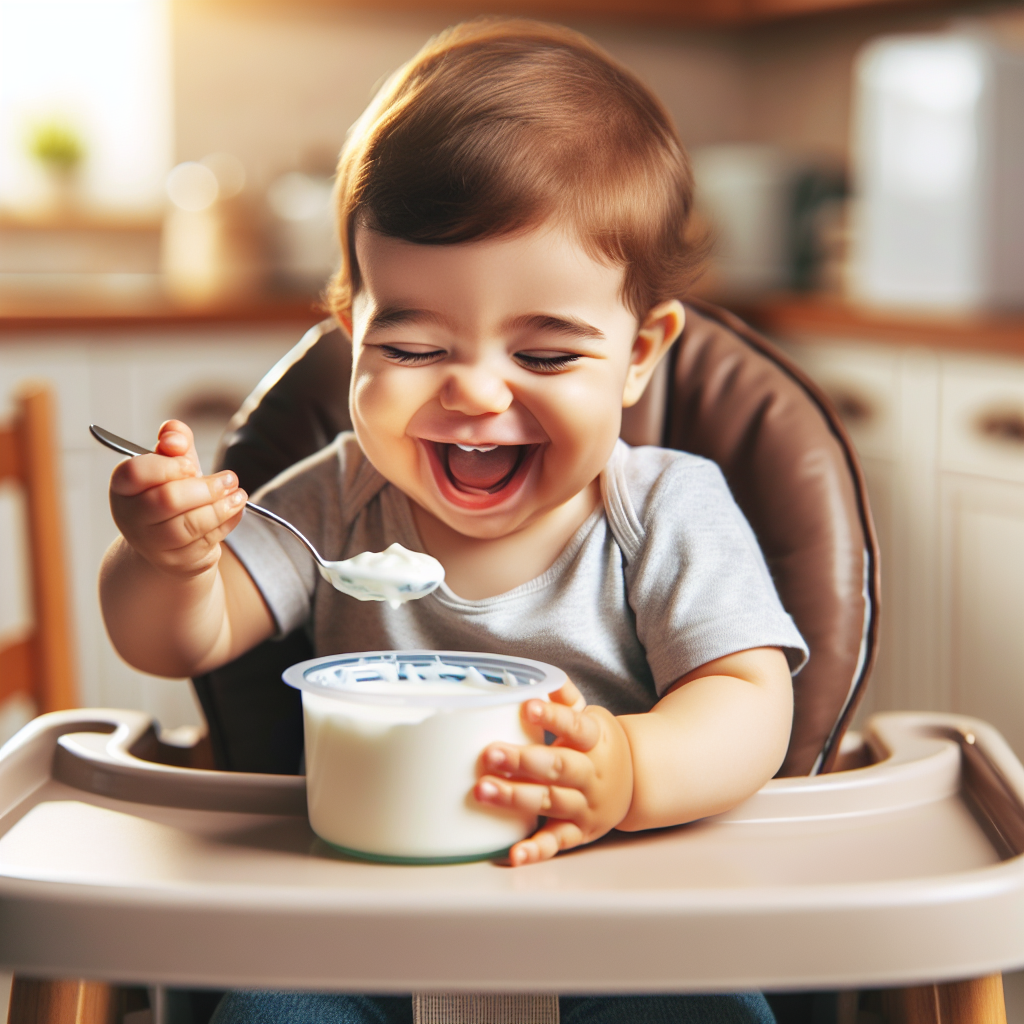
[769, 212]
[304, 239]
[212, 244]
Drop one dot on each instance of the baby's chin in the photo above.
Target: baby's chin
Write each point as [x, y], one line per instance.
[492, 526]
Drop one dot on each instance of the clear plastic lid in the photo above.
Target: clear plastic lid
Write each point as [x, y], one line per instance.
[436, 679]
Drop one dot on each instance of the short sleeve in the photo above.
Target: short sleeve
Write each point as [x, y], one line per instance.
[308, 496]
[697, 581]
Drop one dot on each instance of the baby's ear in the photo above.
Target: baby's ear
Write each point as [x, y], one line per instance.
[658, 330]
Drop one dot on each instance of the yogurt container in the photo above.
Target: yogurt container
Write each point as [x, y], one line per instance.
[393, 739]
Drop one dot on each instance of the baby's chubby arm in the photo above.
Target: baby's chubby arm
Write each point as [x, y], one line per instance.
[718, 735]
[175, 601]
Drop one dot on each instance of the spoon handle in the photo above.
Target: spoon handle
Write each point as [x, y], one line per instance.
[267, 514]
[130, 448]
[119, 444]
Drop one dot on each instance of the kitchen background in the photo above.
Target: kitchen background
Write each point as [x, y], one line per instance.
[164, 231]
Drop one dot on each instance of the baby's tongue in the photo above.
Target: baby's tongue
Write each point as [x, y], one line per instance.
[482, 470]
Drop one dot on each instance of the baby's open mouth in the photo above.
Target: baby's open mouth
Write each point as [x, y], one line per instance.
[481, 469]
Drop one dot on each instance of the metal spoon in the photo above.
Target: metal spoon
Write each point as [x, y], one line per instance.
[395, 575]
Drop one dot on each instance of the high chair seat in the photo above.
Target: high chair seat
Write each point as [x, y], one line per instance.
[726, 394]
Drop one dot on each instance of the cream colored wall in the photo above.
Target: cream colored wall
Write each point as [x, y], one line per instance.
[278, 87]
[699, 76]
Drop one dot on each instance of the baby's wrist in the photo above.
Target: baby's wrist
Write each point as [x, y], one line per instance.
[158, 565]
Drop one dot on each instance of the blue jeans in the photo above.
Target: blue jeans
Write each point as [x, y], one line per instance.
[327, 1008]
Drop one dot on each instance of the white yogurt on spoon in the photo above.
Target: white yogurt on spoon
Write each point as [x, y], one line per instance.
[395, 575]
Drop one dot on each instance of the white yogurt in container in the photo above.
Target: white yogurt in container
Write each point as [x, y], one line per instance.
[393, 739]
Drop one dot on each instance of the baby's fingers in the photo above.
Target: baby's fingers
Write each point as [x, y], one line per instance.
[552, 838]
[550, 766]
[540, 801]
[177, 440]
[179, 497]
[572, 727]
[197, 523]
[569, 695]
[133, 476]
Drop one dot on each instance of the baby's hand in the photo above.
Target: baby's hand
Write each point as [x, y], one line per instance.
[169, 513]
[582, 783]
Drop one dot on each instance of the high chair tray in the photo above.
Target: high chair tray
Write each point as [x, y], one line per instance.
[905, 871]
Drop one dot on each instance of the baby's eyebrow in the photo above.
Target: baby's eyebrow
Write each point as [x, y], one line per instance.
[393, 316]
[571, 326]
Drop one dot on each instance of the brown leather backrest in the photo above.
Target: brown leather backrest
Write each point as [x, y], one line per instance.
[726, 394]
[732, 397]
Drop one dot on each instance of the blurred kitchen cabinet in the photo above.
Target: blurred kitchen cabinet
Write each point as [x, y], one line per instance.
[129, 381]
[942, 442]
[982, 516]
[983, 602]
[865, 383]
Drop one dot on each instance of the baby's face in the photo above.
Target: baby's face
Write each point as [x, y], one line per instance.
[489, 376]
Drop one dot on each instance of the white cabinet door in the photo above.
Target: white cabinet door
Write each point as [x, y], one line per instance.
[982, 481]
[864, 383]
[983, 601]
[941, 440]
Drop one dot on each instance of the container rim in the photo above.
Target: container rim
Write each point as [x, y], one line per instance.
[534, 678]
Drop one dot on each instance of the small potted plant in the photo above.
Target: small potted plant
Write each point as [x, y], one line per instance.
[57, 147]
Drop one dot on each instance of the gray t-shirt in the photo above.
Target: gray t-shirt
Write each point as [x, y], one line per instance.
[666, 577]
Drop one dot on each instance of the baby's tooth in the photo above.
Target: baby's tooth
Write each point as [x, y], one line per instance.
[476, 447]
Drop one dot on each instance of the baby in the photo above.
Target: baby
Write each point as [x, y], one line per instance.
[513, 209]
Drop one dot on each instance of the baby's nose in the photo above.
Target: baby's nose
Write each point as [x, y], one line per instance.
[474, 391]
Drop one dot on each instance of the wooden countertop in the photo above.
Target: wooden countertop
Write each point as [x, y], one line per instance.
[59, 313]
[826, 318]
[799, 317]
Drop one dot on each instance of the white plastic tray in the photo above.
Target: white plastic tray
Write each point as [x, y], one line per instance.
[906, 871]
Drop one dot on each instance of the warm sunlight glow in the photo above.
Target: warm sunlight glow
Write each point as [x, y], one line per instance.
[99, 72]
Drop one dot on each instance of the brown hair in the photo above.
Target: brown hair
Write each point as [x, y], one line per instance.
[499, 125]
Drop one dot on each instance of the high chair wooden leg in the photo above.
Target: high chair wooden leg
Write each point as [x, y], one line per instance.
[62, 1002]
[975, 1001]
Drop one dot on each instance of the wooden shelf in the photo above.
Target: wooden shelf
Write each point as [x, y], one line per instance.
[78, 220]
[821, 318]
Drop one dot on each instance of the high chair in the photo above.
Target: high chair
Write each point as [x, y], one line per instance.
[724, 393]
[845, 857]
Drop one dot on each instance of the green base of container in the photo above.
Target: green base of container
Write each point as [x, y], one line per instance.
[384, 858]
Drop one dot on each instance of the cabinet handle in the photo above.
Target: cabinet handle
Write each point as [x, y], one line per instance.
[207, 405]
[1005, 425]
[853, 408]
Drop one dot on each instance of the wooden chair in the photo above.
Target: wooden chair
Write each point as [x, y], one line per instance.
[41, 664]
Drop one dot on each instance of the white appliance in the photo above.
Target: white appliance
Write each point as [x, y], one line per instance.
[939, 169]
